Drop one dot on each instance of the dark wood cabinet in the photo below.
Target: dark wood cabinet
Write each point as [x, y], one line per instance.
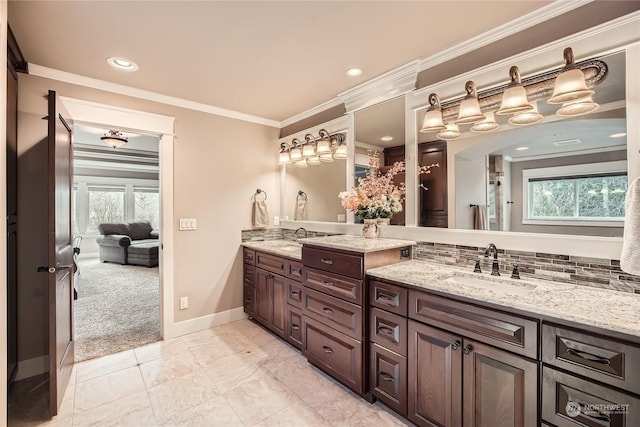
[271, 300]
[249, 299]
[434, 210]
[392, 155]
[388, 377]
[294, 326]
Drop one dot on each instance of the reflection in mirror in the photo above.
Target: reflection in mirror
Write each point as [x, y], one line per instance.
[561, 176]
[381, 128]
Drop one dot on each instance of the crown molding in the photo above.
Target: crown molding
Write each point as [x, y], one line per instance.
[503, 31]
[382, 88]
[63, 76]
[311, 112]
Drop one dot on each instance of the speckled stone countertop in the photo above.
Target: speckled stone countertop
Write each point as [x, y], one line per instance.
[285, 248]
[352, 243]
[611, 310]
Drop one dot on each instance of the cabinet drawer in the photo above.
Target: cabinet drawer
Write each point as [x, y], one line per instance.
[248, 255]
[601, 359]
[294, 270]
[388, 378]
[388, 297]
[294, 293]
[388, 330]
[249, 274]
[333, 352]
[569, 401]
[506, 331]
[334, 312]
[294, 327]
[341, 287]
[270, 263]
[335, 262]
[249, 299]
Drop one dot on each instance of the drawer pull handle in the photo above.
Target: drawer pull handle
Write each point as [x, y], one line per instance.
[327, 310]
[587, 411]
[295, 327]
[327, 283]
[296, 271]
[386, 376]
[248, 300]
[295, 293]
[455, 345]
[385, 330]
[588, 356]
[327, 261]
[386, 299]
[467, 350]
[326, 349]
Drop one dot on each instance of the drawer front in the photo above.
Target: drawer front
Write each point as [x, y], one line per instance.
[340, 315]
[294, 270]
[271, 263]
[506, 331]
[388, 330]
[249, 274]
[569, 401]
[333, 352]
[294, 293]
[249, 299]
[388, 378]
[249, 256]
[335, 262]
[341, 287]
[600, 359]
[388, 297]
[294, 327]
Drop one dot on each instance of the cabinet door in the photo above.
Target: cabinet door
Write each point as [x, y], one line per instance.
[500, 388]
[433, 199]
[294, 326]
[249, 300]
[262, 310]
[434, 376]
[279, 305]
[388, 378]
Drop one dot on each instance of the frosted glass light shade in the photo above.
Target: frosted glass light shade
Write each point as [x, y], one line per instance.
[487, 125]
[469, 110]
[326, 158]
[308, 150]
[578, 107]
[284, 158]
[432, 122]
[341, 152]
[300, 163]
[527, 118]
[323, 147]
[514, 100]
[569, 86]
[296, 154]
[313, 161]
[451, 132]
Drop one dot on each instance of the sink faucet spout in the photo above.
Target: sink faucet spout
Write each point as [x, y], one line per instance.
[495, 267]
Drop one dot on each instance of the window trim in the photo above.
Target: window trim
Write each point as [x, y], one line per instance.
[569, 172]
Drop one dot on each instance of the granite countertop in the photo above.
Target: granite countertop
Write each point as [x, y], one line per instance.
[602, 308]
[356, 243]
[286, 248]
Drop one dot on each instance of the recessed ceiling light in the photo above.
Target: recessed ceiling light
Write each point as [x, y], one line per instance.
[566, 142]
[522, 148]
[618, 135]
[387, 138]
[354, 72]
[122, 64]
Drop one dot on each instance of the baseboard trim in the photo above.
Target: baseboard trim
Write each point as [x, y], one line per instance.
[32, 367]
[205, 322]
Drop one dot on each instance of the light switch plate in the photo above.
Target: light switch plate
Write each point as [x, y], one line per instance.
[188, 224]
[276, 220]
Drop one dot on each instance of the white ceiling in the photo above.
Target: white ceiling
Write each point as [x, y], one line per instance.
[272, 59]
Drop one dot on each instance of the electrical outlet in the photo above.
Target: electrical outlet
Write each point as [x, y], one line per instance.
[342, 218]
[184, 303]
[276, 220]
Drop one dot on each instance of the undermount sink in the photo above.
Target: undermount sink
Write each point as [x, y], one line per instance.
[493, 283]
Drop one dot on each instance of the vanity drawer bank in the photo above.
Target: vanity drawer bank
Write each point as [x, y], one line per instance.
[482, 350]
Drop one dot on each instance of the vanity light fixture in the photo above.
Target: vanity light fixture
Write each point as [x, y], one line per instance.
[296, 152]
[570, 85]
[114, 139]
[300, 163]
[341, 151]
[326, 158]
[451, 132]
[324, 145]
[314, 160]
[313, 150]
[514, 98]
[489, 124]
[309, 149]
[469, 111]
[284, 158]
[578, 107]
[527, 118]
[433, 116]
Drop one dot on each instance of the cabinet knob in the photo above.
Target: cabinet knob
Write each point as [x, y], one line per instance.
[455, 345]
[467, 350]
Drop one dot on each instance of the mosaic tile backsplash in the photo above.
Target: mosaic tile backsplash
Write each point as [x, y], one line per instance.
[594, 272]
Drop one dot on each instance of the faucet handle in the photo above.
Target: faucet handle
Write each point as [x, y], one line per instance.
[477, 268]
[516, 273]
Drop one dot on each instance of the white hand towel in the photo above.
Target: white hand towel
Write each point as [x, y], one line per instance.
[630, 258]
[301, 213]
[260, 217]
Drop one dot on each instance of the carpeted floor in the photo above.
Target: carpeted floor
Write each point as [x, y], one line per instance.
[118, 308]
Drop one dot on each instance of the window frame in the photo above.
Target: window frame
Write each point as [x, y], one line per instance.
[594, 169]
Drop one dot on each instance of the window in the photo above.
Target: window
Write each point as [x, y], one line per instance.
[147, 205]
[105, 205]
[590, 194]
[492, 199]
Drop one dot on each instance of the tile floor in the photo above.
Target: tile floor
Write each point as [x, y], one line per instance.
[236, 374]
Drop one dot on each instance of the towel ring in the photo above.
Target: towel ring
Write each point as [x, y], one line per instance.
[301, 195]
[259, 191]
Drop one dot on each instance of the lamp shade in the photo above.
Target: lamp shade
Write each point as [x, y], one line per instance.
[514, 98]
[284, 158]
[432, 121]
[300, 163]
[114, 139]
[295, 154]
[578, 107]
[570, 85]
[469, 110]
[451, 132]
[489, 124]
[308, 150]
[313, 161]
[527, 117]
[341, 152]
[326, 157]
[323, 147]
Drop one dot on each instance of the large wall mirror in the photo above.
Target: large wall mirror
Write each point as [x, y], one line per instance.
[558, 176]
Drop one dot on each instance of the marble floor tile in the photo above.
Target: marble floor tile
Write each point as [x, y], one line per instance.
[302, 378]
[338, 405]
[104, 365]
[168, 368]
[134, 411]
[235, 370]
[295, 415]
[257, 400]
[213, 412]
[107, 388]
[172, 397]
[160, 350]
[383, 417]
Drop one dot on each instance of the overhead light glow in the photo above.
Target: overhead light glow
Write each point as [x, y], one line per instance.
[354, 72]
[522, 148]
[122, 64]
[387, 138]
[618, 135]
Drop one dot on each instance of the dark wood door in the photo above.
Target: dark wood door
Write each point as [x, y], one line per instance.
[434, 208]
[60, 269]
[279, 305]
[434, 377]
[500, 389]
[262, 310]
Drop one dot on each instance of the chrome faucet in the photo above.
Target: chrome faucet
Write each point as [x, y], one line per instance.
[495, 268]
[299, 229]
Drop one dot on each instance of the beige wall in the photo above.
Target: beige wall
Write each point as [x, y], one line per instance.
[218, 164]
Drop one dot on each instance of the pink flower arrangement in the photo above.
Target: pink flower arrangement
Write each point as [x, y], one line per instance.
[376, 195]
